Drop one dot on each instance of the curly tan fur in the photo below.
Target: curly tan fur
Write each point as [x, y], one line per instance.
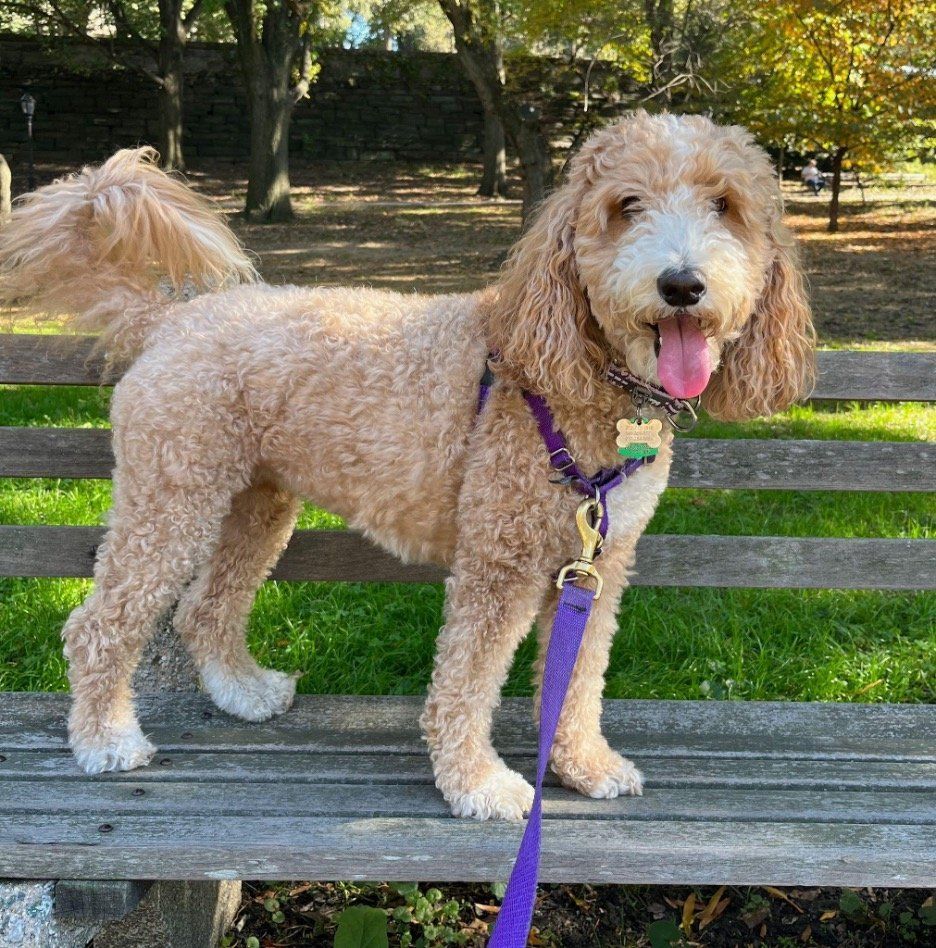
[247, 398]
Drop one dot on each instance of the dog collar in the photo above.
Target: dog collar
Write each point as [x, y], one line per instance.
[680, 412]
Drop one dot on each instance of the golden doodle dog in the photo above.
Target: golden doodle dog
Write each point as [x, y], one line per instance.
[663, 252]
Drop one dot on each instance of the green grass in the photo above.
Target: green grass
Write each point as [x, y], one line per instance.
[674, 643]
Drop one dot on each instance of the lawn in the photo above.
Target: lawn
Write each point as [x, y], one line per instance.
[409, 227]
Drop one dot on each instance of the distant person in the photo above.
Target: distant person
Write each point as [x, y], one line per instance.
[813, 177]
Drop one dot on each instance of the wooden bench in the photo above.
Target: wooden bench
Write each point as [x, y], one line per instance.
[341, 788]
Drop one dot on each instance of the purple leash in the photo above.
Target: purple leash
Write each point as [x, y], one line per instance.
[513, 921]
[512, 927]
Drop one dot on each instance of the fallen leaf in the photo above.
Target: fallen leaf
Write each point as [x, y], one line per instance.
[806, 934]
[656, 910]
[708, 913]
[533, 938]
[487, 909]
[687, 912]
[828, 915]
[867, 688]
[763, 931]
[780, 894]
[300, 889]
[719, 911]
[805, 895]
[672, 903]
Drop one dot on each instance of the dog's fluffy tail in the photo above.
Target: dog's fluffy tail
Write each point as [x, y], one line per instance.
[109, 248]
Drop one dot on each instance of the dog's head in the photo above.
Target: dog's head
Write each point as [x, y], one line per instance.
[665, 248]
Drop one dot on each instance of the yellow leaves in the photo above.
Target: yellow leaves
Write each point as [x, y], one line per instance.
[715, 908]
[688, 909]
[695, 913]
[780, 894]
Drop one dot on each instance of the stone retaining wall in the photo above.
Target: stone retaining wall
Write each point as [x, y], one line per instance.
[365, 104]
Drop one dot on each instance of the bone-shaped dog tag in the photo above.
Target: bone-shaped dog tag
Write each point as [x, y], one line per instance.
[639, 439]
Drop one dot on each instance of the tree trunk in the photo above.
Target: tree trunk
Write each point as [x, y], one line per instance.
[535, 161]
[781, 161]
[494, 176]
[482, 61]
[267, 52]
[172, 40]
[836, 188]
[170, 123]
[268, 197]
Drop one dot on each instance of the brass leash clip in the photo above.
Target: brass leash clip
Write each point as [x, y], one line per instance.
[587, 519]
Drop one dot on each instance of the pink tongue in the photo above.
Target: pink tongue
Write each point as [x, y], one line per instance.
[683, 364]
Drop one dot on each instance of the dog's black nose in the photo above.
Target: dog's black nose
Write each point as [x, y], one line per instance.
[680, 287]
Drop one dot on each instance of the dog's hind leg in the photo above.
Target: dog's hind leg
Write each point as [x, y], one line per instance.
[159, 535]
[212, 616]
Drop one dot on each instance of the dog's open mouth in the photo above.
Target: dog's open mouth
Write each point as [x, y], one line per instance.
[683, 361]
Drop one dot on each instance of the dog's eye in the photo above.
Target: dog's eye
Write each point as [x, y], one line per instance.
[721, 205]
[630, 205]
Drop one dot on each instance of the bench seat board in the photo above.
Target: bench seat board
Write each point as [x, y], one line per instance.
[340, 787]
[662, 560]
[777, 464]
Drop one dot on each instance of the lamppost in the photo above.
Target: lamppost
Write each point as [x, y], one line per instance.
[28, 105]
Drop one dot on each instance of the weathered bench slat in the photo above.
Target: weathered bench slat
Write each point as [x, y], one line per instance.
[128, 798]
[595, 851]
[344, 715]
[842, 375]
[267, 740]
[662, 560]
[334, 724]
[701, 463]
[363, 768]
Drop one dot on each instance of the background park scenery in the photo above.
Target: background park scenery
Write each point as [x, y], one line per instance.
[401, 145]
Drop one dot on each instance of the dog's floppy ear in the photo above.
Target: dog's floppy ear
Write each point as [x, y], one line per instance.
[772, 362]
[539, 319]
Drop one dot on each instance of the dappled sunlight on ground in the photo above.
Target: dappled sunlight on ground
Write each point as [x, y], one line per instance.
[417, 227]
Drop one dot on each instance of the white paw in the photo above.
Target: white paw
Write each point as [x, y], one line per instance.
[253, 694]
[603, 777]
[503, 795]
[120, 750]
[625, 779]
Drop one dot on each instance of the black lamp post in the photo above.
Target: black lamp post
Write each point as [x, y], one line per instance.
[28, 105]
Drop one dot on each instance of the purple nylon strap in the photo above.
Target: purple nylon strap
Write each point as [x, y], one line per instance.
[561, 459]
[575, 603]
[513, 921]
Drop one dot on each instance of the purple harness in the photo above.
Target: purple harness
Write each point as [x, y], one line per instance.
[575, 604]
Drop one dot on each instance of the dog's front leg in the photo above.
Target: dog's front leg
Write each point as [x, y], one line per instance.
[581, 757]
[490, 606]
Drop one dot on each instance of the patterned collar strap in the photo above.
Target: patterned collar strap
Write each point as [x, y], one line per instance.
[680, 412]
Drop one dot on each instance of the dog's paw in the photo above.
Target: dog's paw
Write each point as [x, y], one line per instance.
[255, 694]
[502, 795]
[114, 750]
[603, 775]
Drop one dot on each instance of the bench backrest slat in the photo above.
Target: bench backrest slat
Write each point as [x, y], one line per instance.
[843, 375]
[700, 463]
[662, 560]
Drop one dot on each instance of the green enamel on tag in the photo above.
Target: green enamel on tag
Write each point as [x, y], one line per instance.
[638, 450]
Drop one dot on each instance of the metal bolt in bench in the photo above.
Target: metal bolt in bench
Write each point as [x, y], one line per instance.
[340, 787]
